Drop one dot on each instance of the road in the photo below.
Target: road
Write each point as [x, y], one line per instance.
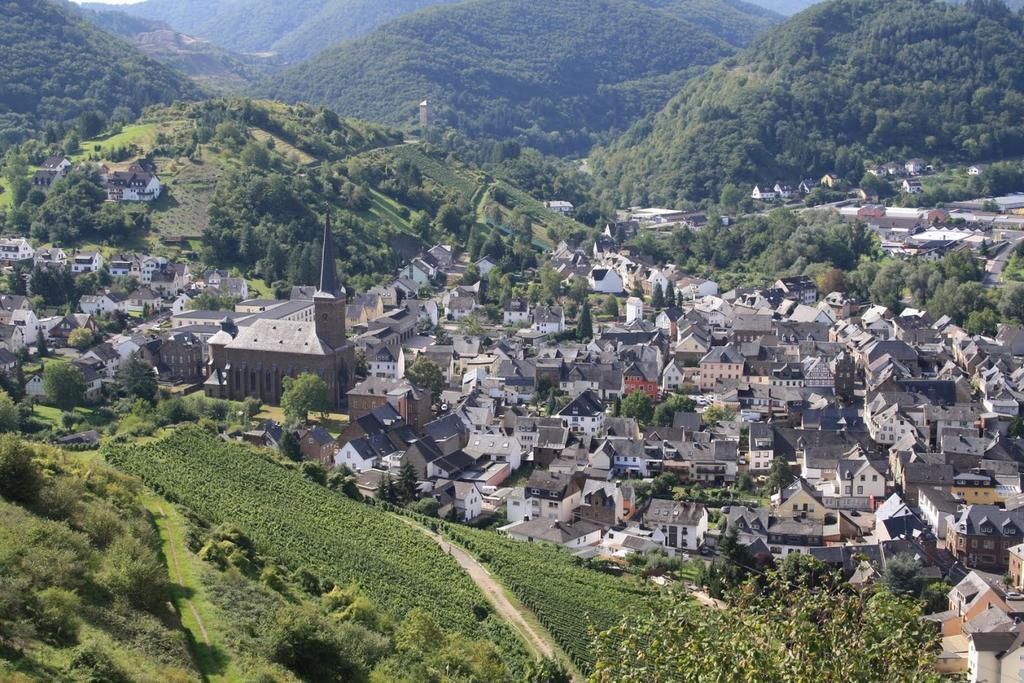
[995, 265]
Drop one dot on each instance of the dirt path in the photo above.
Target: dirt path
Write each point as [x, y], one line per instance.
[178, 578]
[536, 641]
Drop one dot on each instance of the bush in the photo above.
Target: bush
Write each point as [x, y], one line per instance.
[55, 614]
[91, 662]
[135, 573]
[20, 480]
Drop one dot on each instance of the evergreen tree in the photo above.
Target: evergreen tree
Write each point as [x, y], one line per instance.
[585, 326]
[658, 297]
[290, 446]
[407, 481]
[670, 294]
[41, 347]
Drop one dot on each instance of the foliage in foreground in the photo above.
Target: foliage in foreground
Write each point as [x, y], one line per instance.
[785, 631]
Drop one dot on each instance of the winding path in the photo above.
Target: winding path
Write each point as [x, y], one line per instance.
[536, 640]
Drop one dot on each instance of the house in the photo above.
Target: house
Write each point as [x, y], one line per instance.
[605, 280]
[137, 184]
[982, 535]
[677, 526]
[572, 535]
[50, 257]
[585, 414]
[143, 300]
[784, 191]
[86, 262]
[547, 495]
[495, 448]
[915, 166]
[561, 208]
[548, 319]
[764, 194]
[317, 445]
[516, 312]
[103, 304]
[911, 186]
[462, 500]
[799, 288]
[830, 180]
[385, 361]
[672, 377]
[977, 169]
[15, 250]
[720, 363]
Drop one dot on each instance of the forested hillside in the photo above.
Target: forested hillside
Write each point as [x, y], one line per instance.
[57, 67]
[734, 21]
[844, 83]
[293, 30]
[557, 75]
[213, 67]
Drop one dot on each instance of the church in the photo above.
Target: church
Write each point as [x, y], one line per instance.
[254, 360]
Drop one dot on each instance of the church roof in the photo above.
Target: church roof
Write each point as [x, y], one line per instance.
[282, 336]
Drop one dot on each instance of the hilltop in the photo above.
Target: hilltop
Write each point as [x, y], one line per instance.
[57, 67]
[556, 75]
[292, 30]
[843, 84]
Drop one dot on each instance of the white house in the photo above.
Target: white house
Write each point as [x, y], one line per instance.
[517, 312]
[765, 195]
[549, 319]
[605, 280]
[584, 414]
[86, 262]
[634, 309]
[16, 249]
[560, 207]
[29, 324]
[677, 526]
[34, 386]
[672, 376]
[496, 448]
[385, 361]
[103, 304]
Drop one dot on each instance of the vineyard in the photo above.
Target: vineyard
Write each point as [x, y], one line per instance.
[303, 524]
[567, 598]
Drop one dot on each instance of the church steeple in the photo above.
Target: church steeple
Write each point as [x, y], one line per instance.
[328, 270]
[329, 299]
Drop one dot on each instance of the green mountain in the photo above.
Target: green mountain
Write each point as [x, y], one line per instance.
[294, 30]
[213, 67]
[57, 67]
[734, 21]
[557, 74]
[845, 83]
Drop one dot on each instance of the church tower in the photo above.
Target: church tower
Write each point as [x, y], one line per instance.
[329, 299]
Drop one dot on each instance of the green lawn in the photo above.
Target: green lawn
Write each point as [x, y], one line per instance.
[51, 415]
[142, 134]
[5, 194]
[334, 423]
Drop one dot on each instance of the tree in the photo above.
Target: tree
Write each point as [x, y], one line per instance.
[715, 415]
[585, 325]
[637, 405]
[81, 338]
[20, 478]
[135, 379]
[665, 413]
[10, 418]
[407, 482]
[780, 476]
[63, 385]
[41, 349]
[290, 447]
[611, 306]
[902, 576]
[302, 395]
[658, 297]
[426, 374]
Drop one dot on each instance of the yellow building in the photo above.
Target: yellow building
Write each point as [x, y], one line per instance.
[976, 487]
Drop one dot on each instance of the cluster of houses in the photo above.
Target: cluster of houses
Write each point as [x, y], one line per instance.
[902, 431]
[137, 182]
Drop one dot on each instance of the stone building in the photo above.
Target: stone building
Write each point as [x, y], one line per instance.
[254, 360]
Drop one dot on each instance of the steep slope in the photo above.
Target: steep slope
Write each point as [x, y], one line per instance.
[212, 66]
[293, 30]
[57, 66]
[844, 83]
[556, 74]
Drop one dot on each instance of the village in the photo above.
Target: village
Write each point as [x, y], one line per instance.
[621, 409]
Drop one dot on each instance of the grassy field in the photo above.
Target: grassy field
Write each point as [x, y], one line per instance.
[283, 147]
[334, 423]
[51, 415]
[198, 616]
[142, 135]
[5, 195]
